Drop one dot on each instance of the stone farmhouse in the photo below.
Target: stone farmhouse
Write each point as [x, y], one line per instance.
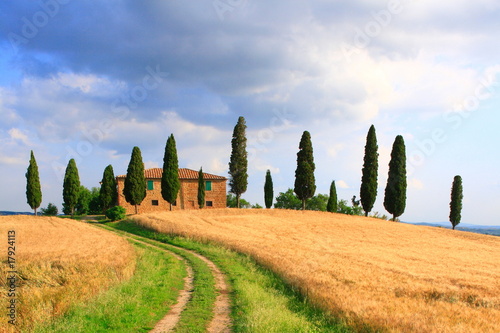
[215, 192]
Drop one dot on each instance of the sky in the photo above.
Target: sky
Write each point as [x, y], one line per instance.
[91, 80]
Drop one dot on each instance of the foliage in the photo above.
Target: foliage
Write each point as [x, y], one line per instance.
[395, 191]
[332, 204]
[83, 202]
[377, 215]
[116, 213]
[33, 187]
[268, 190]
[231, 202]
[170, 183]
[95, 205]
[71, 187]
[257, 206]
[368, 190]
[238, 163]
[456, 201]
[135, 182]
[108, 192]
[201, 189]
[344, 208]
[288, 200]
[304, 174]
[51, 210]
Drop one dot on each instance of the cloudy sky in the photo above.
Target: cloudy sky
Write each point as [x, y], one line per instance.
[90, 80]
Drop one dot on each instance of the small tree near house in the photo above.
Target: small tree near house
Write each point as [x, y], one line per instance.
[170, 183]
[134, 188]
[201, 189]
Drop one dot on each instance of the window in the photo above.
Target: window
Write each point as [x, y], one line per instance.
[209, 204]
[208, 186]
[154, 202]
[151, 185]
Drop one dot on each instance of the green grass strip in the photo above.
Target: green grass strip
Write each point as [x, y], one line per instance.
[199, 310]
[133, 306]
[262, 302]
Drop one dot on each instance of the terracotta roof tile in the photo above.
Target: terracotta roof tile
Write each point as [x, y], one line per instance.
[184, 173]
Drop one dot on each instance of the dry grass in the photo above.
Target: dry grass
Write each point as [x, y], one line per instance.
[388, 275]
[60, 262]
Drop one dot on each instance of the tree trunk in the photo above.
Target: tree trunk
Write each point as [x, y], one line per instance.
[304, 204]
[170, 207]
[393, 218]
[135, 209]
[35, 211]
[237, 201]
[453, 226]
[366, 214]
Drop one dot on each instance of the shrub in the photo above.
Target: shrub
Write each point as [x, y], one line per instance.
[116, 213]
[51, 210]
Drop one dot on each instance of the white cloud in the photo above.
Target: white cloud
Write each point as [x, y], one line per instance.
[341, 184]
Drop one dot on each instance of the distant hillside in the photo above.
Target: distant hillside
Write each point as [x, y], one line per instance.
[8, 213]
[478, 229]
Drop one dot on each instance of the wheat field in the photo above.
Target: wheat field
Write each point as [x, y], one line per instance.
[59, 262]
[389, 276]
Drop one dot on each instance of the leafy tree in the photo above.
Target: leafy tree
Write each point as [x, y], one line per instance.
[135, 183]
[108, 193]
[51, 210]
[71, 187]
[344, 208]
[95, 206]
[368, 191]
[456, 201]
[318, 202]
[33, 187]
[116, 213]
[332, 204]
[231, 202]
[238, 163]
[395, 191]
[304, 174]
[170, 183]
[83, 202]
[288, 200]
[268, 190]
[257, 206]
[201, 189]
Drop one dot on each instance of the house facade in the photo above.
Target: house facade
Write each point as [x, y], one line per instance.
[187, 198]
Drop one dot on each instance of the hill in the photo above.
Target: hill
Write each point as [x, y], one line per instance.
[57, 262]
[386, 275]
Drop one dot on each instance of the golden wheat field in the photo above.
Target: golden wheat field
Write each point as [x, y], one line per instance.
[58, 262]
[390, 276]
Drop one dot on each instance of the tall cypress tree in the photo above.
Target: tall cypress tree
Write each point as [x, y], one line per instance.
[71, 186]
[456, 201]
[238, 163]
[135, 183]
[33, 187]
[395, 191]
[108, 193]
[268, 190]
[305, 183]
[170, 183]
[368, 191]
[332, 204]
[201, 189]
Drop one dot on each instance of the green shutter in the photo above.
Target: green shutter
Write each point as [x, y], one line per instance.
[151, 185]
[208, 186]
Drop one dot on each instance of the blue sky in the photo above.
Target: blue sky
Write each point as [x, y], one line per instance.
[91, 80]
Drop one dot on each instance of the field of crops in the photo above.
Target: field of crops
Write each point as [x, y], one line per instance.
[58, 262]
[368, 271]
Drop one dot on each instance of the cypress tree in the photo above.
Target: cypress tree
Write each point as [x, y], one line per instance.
[305, 184]
[201, 189]
[238, 163]
[368, 191]
[268, 190]
[456, 201]
[33, 187]
[108, 193]
[395, 191]
[135, 183]
[170, 183]
[71, 187]
[332, 204]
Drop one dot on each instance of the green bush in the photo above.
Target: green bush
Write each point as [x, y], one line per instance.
[116, 213]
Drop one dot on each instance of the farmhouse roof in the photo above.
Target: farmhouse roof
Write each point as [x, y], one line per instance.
[184, 173]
